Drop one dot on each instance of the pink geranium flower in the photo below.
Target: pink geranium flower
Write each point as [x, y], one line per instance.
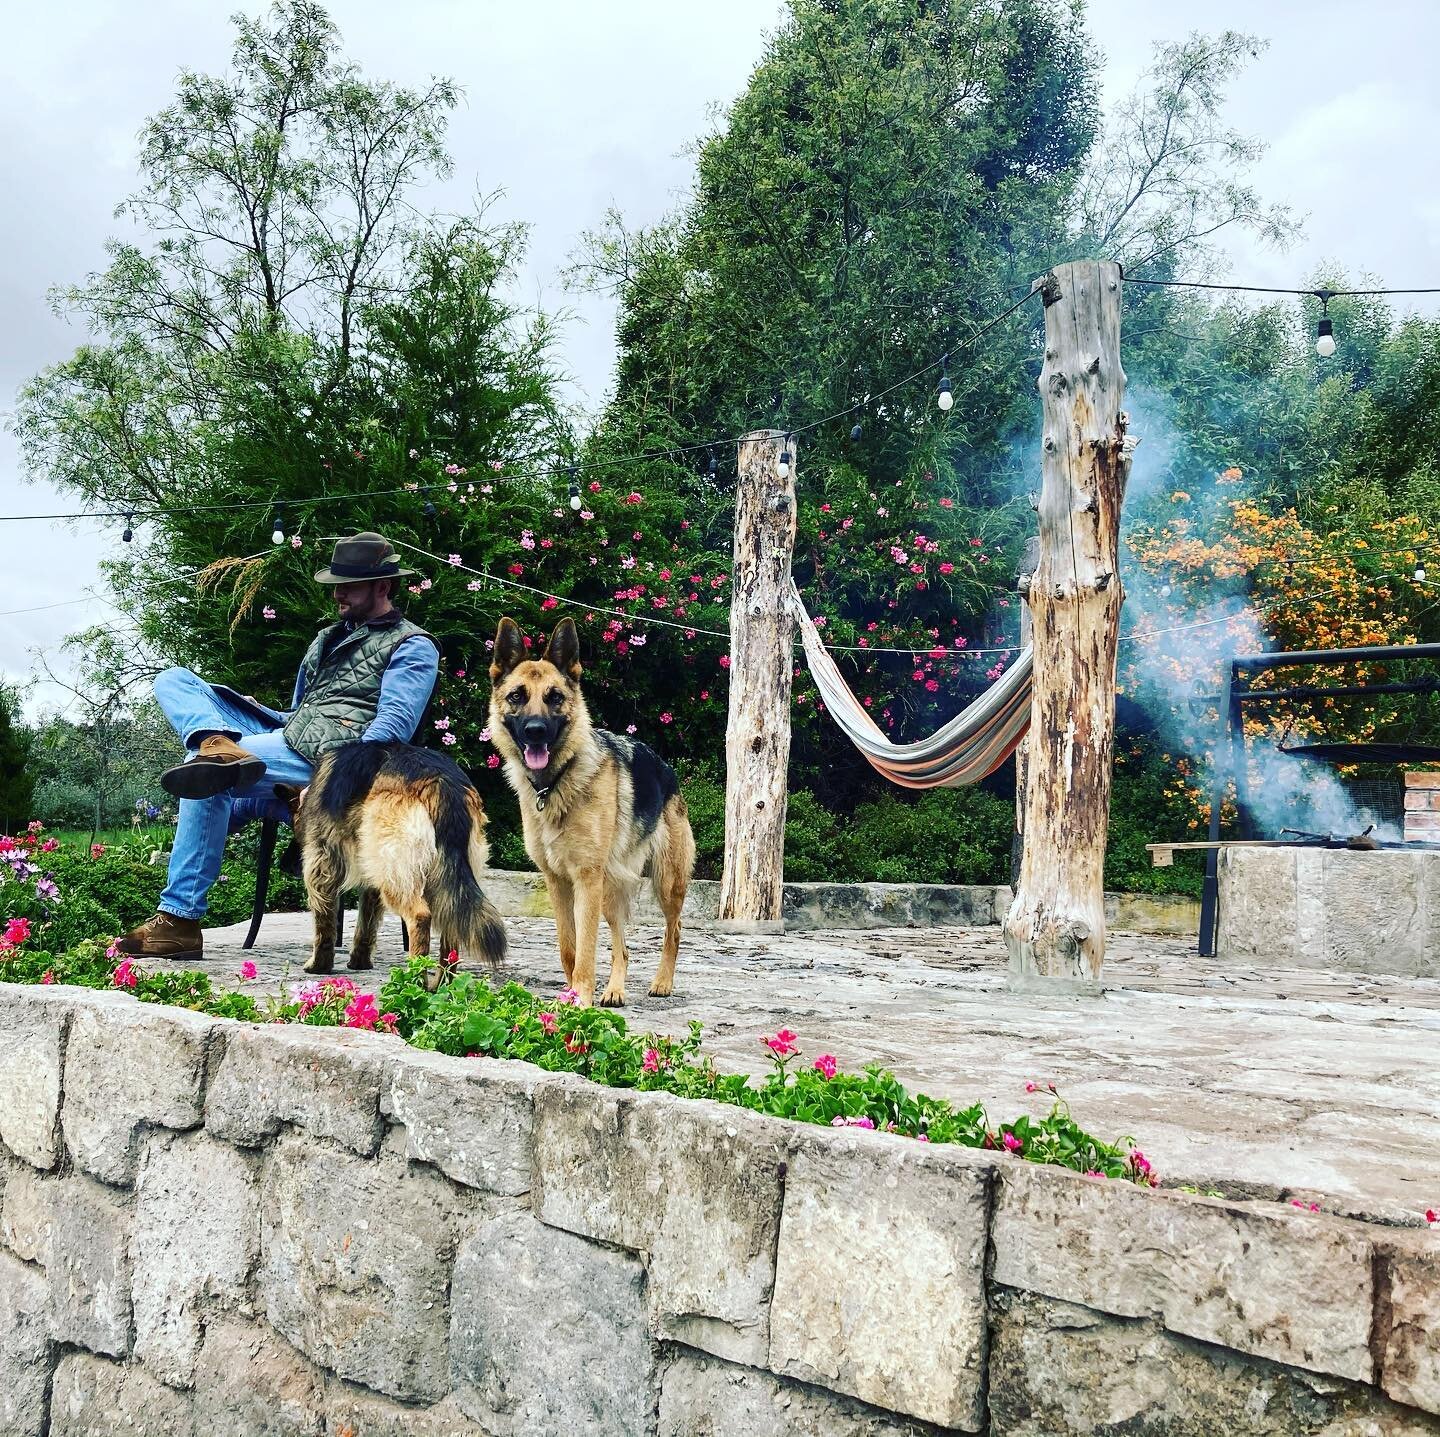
[548, 1021]
[125, 975]
[1011, 1142]
[783, 1044]
[651, 1061]
[360, 1011]
[248, 971]
[17, 931]
[861, 1122]
[825, 1065]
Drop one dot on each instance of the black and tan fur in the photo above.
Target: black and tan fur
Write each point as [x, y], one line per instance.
[406, 827]
[600, 813]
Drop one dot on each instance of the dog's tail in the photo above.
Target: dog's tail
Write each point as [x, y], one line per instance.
[458, 906]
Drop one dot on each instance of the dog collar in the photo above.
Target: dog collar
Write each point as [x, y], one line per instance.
[542, 795]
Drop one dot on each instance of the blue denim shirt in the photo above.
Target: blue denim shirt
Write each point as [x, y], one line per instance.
[405, 689]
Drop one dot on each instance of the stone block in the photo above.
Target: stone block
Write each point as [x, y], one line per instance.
[126, 1069]
[27, 1213]
[548, 1333]
[89, 1268]
[1409, 1326]
[32, 1051]
[880, 1278]
[1057, 1369]
[471, 1117]
[353, 1412]
[251, 1384]
[1264, 1280]
[24, 1348]
[95, 1398]
[1421, 780]
[697, 1186]
[325, 1080]
[355, 1267]
[196, 1239]
[705, 1397]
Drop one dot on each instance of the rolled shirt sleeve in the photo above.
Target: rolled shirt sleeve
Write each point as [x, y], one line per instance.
[405, 689]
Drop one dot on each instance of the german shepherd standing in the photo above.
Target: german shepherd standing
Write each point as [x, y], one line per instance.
[406, 827]
[599, 810]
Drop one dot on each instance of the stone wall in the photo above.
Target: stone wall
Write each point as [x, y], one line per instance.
[1334, 908]
[1422, 807]
[209, 1227]
[810, 906]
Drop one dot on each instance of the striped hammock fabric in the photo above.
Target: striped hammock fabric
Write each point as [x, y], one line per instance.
[973, 744]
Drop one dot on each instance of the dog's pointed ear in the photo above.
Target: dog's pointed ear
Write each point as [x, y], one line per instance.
[509, 648]
[563, 650]
[288, 793]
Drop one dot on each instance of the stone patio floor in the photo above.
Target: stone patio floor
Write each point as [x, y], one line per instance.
[1277, 1084]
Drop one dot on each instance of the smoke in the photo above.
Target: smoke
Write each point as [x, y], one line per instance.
[1185, 635]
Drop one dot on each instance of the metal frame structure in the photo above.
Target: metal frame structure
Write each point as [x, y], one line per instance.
[1238, 693]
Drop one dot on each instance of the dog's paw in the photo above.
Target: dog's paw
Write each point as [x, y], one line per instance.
[612, 997]
[661, 990]
[357, 961]
[320, 965]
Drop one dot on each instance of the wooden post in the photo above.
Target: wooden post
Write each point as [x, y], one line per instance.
[757, 737]
[1055, 930]
[1023, 574]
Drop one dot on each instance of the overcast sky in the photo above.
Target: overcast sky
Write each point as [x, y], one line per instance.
[573, 106]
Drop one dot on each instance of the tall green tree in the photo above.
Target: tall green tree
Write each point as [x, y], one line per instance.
[17, 779]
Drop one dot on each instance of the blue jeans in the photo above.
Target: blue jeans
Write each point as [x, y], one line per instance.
[193, 707]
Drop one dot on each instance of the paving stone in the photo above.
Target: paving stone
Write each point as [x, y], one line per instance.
[128, 1068]
[548, 1333]
[471, 1117]
[353, 1412]
[95, 1398]
[1410, 1304]
[196, 1240]
[1058, 1370]
[324, 1080]
[24, 1348]
[1293, 1287]
[705, 1397]
[356, 1265]
[27, 1212]
[695, 1185]
[249, 1383]
[880, 1279]
[32, 1051]
[89, 1267]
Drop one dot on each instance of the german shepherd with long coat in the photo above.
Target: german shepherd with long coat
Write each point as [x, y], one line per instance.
[599, 810]
[406, 827]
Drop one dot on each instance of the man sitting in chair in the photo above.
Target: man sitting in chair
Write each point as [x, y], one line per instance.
[369, 676]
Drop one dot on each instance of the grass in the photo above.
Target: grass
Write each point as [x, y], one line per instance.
[157, 835]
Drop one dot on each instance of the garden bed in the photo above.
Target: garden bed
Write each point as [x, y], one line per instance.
[210, 1226]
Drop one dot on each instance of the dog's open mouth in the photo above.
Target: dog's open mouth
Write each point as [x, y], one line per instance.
[536, 758]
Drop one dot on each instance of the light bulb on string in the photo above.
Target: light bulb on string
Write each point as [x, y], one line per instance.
[1325, 330]
[129, 533]
[782, 468]
[429, 510]
[944, 395]
[1420, 573]
[277, 535]
[574, 489]
[714, 466]
[855, 433]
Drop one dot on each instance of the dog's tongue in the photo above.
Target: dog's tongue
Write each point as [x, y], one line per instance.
[536, 758]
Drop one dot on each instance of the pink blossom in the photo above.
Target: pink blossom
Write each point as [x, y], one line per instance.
[782, 1044]
[447, 739]
[667, 718]
[125, 975]
[453, 560]
[248, 970]
[566, 996]
[664, 573]
[931, 686]
[493, 761]
[922, 1137]
[267, 612]
[861, 1122]
[629, 728]
[517, 568]
[549, 603]
[1093, 1173]
[473, 585]
[50, 845]
[1431, 1216]
[947, 503]
[548, 1021]
[47, 976]
[360, 1011]
[443, 723]
[825, 1065]
[724, 661]
[651, 1061]
[594, 486]
[96, 849]
[484, 735]
[977, 543]
[295, 541]
[1012, 1143]
[113, 951]
[947, 567]
[17, 931]
[634, 498]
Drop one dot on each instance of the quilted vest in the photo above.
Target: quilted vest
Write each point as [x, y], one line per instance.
[342, 686]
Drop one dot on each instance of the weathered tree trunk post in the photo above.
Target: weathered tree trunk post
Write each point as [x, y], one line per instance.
[757, 736]
[1055, 929]
[1023, 574]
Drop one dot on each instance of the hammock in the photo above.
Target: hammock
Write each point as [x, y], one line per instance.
[973, 744]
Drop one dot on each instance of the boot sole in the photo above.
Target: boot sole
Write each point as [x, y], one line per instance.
[204, 778]
[194, 956]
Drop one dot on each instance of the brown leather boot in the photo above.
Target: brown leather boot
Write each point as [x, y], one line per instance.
[165, 936]
[219, 764]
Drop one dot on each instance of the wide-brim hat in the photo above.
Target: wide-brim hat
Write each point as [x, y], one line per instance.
[362, 557]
